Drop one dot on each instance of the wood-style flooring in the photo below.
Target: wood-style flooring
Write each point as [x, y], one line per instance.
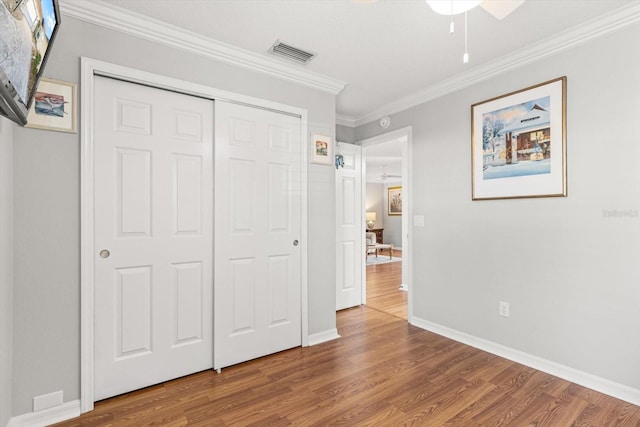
[382, 372]
[383, 287]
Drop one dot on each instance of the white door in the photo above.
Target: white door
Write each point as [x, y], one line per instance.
[257, 306]
[153, 236]
[350, 230]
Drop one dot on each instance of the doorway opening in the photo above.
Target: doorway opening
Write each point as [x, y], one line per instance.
[386, 203]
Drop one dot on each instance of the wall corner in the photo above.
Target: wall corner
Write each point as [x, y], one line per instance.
[6, 271]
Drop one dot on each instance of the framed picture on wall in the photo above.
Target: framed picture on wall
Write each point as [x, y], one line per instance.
[321, 150]
[518, 143]
[54, 107]
[394, 200]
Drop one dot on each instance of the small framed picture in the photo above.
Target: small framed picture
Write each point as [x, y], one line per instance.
[54, 106]
[394, 201]
[321, 150]
[518, 143]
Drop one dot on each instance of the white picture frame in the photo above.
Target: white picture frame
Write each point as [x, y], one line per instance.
[54, 107]
[321, 149]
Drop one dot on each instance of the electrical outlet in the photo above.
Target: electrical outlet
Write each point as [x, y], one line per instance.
[504, 309]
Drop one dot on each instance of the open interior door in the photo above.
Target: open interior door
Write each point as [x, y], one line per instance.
[350, 250]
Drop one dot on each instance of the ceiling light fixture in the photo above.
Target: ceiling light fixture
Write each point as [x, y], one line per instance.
[452, 7]
[451, 26]
[465, 57]
[455, 7]
[500, 9]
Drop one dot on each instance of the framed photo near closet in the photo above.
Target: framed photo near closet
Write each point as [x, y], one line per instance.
[321, 150]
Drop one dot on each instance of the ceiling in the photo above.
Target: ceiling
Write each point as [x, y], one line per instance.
[385, 50]
[384, 162]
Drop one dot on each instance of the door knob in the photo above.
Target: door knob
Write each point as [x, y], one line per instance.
[295, 243]
[104, 253]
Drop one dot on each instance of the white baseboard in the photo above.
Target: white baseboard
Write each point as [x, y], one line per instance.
[46, 417]
[324, 336]
[602, 385]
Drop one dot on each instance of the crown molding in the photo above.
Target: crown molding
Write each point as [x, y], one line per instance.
[597, 27]
[115, 18]
[344, 120]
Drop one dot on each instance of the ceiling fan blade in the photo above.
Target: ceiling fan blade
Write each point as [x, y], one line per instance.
[500, 9]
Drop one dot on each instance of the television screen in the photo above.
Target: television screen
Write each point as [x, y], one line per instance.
[27, 29]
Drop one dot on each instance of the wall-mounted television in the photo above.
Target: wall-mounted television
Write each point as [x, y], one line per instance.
[27, 31]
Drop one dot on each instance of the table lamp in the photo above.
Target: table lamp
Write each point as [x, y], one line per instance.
[371, 218]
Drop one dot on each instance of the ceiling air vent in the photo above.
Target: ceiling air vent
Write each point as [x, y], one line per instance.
[284, 50]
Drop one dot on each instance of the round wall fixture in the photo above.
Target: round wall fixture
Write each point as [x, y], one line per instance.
[385, 122]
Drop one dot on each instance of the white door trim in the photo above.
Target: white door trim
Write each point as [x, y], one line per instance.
[405, 135]
[89, 69]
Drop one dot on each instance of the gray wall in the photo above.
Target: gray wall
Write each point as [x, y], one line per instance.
[374, 203]
[6, 268]
[47, 203]
[345, 134]
[568, 266]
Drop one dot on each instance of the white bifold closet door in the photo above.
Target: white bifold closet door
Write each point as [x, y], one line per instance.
[153, 236]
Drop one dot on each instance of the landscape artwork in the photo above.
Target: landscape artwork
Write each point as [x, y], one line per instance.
[321, 150]
[516, 140]
[518, 143]
[49, 104]
[54, 106]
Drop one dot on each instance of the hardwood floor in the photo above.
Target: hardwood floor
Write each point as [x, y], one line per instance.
[382, 372]
[383, 288]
